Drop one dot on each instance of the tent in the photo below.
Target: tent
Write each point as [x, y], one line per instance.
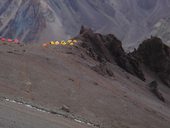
[75, 41]
[69, 41]
[52, 43]
[45, 45]
[3, 39]
[57, 43]
[9, 40]
[16, 41]
[63, 42]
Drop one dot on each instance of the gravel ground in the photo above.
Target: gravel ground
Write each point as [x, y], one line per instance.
[57, 76]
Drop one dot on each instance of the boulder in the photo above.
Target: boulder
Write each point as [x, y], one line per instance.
[65, 108]
[104, 69]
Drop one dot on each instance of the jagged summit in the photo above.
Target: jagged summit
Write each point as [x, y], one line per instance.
[156, 55]
[109, 48]
[152, 53]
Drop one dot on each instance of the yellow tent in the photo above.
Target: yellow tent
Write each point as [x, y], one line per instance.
[57, 43]
[63, 42]
[75, 41]
[69, 41]
[52, 43]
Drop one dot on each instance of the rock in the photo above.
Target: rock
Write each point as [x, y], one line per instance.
[107, 48]
[9, 52]
[103, 69]
[156, 55]
[65, 108]
[154, 89]
[82, 30]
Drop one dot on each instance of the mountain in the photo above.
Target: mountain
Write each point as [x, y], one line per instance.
[46, 20]
[94, 84]
[161, 29]
[156, 55]
[109, 78]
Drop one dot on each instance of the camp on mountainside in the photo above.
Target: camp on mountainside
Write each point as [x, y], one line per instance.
[16, 41]
[62, 43]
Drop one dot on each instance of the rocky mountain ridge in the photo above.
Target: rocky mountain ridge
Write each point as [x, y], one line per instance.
[152, 53]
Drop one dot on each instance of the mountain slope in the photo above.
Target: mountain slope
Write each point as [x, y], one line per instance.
[16, 116]
[56, 76]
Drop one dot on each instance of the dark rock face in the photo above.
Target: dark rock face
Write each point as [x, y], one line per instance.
[104, 69]
[107, 48]
[156, 55]
[154, 89]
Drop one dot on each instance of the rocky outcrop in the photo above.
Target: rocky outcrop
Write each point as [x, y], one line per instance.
[107, 48]
[156, 55]
[104, 69]
[153, 86]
